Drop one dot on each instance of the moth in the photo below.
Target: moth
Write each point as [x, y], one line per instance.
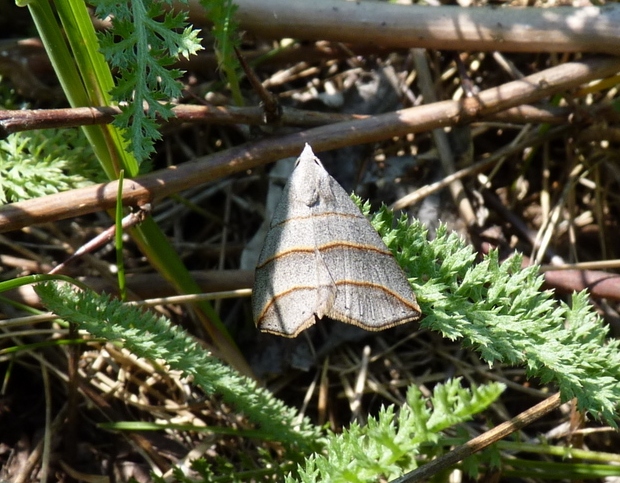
[322, 257]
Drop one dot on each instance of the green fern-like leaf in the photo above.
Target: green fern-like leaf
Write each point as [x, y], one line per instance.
[453, 404]
[501, 311]
[152, 337]
[43, 162]
[388, 445]
[221, 13]
[143, 42]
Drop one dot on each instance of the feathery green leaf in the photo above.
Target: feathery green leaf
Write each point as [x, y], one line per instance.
[154, 337]
[501, 311]
[143, 42]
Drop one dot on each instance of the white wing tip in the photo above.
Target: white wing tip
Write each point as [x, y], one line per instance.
[307, 151]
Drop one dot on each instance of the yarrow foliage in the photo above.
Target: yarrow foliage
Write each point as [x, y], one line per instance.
[497, 309]
[43, 162]
[500, 310]
[388, 445]
[154, 338]
[143, 42]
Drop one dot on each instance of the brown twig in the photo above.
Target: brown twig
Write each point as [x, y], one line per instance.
[598, 284]
[104, 237]
[479, 167]
[480, 442]
[272, 110]
[440, 138]
[559, 29]
[24, 120]
[417, 119]
[150, 285]
[13, 121]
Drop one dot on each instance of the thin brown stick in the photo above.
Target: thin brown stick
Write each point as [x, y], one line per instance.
[208, 168]
[272, 110]
[427, 190]
[480, 442]
[440, 138]
[598, 284]
[104, 237]
[12, 121]
[561, 29]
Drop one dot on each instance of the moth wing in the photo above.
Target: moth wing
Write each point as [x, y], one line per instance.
[323, 257]
[372, 290]
[292, 286]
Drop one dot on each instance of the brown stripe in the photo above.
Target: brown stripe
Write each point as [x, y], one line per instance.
[278, 296]
[325, 247]
[380, 287]
[275, 297]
